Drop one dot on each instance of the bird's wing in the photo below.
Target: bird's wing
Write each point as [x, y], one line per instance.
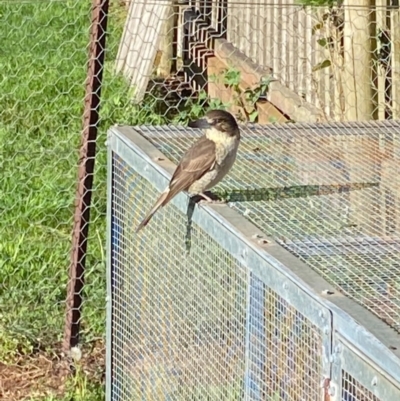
[197, 160]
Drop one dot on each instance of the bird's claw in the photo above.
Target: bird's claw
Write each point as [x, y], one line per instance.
[207, 199]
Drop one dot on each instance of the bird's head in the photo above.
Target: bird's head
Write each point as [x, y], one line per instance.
[218, 120]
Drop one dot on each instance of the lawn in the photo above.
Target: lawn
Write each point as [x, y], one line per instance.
[43, 55]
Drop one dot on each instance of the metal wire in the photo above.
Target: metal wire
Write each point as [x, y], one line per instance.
[312, 51]
[329, 199]
[44, 56]
[168, 333]
[284, 354]
[353, 390]
[184, 325]
[159, 63]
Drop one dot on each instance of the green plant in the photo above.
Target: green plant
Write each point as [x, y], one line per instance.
[329, 27]
[247, 98]
[327, 32]
[192, 109]
[319, 3]
[195, 107]
[78, 387]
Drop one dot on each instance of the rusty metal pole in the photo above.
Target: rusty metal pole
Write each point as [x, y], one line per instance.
[85, 174]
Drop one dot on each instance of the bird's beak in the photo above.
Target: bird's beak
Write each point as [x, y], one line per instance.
[201, 123]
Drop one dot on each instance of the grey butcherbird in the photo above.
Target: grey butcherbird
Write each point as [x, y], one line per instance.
[206, 162]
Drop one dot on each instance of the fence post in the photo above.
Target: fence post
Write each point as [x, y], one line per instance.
[395, 60]
[359, 48]
[85, 174]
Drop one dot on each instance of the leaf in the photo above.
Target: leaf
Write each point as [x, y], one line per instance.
[217, 104]
[318, 3]
[316, 28]
[266, 80]
[253, 116]
[326, 15]
[322, 42]
[252, 96]
[264, 88]
[202, 95]
[321, 65]
[197, 109]
[236, 89]
[232, 77]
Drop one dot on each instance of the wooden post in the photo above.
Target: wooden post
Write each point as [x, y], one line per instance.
[381, 25]
[337, 60]
[358, 53]
[139, 43]
[395, 33]
[166, 43]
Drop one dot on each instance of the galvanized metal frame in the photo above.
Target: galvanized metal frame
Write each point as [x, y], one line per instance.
[277, 268]
[346, 357]
[110, 174]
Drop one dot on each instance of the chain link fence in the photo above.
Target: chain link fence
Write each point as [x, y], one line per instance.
[165, 62]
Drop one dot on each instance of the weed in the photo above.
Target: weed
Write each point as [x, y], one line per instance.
[246, 98]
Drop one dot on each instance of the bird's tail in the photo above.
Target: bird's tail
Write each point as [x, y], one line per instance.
[162, 200]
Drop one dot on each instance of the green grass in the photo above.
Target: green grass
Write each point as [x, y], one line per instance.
[41, 92]
[43, 55]
[43, 63]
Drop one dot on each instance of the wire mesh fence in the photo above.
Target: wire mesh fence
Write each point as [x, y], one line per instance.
[360, 381]
[339, 58]
[168, 62]
[328, 62]
[197, 313]
[178, 310]
[195, 323]
[43, 58]
[329, 197]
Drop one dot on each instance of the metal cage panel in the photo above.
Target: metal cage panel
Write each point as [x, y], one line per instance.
[199, 308]
[357, 377]
[329, 195]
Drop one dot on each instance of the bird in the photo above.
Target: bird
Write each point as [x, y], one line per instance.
[206, 162]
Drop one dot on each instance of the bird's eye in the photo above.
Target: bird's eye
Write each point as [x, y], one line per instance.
[217, 121]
